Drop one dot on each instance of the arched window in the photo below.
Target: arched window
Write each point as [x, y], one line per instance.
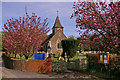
[59, 45]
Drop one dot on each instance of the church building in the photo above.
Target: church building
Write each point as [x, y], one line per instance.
[53, 42]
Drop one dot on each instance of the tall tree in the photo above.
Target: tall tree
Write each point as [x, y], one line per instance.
[25, 35]
[101, 21]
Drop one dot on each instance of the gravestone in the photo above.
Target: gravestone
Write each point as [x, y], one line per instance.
[66, 57]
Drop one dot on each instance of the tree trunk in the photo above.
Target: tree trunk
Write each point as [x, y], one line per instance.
[118, 39]
[26, 57]
[68, 59]
[20, 56]
[118, 52]
[15, 55]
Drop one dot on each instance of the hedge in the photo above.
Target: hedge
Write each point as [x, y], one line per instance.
[70, 46]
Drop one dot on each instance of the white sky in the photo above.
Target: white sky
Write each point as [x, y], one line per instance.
[55, 0]
[38, 0]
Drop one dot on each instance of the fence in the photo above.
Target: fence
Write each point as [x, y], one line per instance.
[42, 66]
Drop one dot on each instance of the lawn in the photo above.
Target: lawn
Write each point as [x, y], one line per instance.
[78, 56]
[74, 58]
[18, 57]
[55, 58]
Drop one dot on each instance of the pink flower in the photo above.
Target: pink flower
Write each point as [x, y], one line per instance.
[95, 24]
[116, 45]
[108, 47]
[115, 40]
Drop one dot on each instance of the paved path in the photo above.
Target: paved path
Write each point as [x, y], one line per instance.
[9, 73]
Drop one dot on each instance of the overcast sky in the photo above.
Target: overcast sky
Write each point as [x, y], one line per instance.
[43, 10]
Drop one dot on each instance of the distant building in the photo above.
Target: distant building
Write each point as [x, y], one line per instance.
[53, 42]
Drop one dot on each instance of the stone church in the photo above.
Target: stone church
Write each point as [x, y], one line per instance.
[53, 42]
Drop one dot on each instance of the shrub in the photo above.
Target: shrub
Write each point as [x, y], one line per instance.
[70, 46]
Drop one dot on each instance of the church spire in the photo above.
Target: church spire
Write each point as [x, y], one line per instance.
[57, 23]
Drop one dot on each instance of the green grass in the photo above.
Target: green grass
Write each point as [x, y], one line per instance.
[74, 58]
[78, 56]
[55, 58]
[18, 57]
[11, 55]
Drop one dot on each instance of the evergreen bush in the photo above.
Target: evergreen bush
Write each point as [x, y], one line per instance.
[70, 46]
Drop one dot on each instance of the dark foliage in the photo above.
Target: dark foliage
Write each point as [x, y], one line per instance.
[70, 46]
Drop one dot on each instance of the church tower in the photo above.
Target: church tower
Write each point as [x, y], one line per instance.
[57, 26]
[54, 39]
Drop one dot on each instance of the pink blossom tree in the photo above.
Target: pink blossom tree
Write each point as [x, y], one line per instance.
[25, 35]
[99, 23]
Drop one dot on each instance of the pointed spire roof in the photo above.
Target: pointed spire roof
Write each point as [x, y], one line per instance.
[57, 23]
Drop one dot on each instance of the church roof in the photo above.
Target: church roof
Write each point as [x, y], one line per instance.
[57, 23]
[48, 38]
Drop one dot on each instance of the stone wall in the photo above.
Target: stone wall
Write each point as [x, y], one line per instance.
[42, 66]
[59, 66]
[78, 65]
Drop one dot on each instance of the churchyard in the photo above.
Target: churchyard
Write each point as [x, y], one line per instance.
[27, 47]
